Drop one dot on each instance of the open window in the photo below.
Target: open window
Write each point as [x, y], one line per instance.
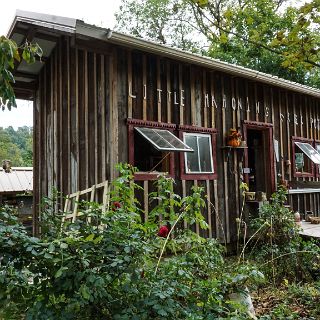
[151, 148]
[304, 157]
[199, 164]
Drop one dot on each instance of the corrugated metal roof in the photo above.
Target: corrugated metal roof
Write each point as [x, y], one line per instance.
[20, 179]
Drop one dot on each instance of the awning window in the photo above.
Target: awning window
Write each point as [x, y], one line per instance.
[163, 140]
[309, 151]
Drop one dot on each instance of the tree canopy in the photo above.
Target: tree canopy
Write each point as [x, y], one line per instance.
[271, 36]
[16, 146]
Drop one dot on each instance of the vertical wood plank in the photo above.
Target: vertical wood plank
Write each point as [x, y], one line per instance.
[213, 106]
[192, 96]
[184, 194]
[225, 170]
[281, 117]
[181, 88]
[144, 80]
[159, 93]
[95, 110]
[168, 92]
[68, 119]
[204, 92]
[209, 207]
[129, 59]
[113, 121]
[86, 120]
[195, 183]
[288, 133]
[146, 199]
[103, 118]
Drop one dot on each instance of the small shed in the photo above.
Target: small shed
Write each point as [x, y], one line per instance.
[16, 187]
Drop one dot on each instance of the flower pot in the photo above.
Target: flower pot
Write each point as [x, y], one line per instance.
[234, 138]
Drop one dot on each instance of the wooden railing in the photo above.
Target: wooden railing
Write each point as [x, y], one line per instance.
[72, 201]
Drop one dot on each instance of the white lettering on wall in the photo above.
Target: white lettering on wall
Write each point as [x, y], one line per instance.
[213, 102]
[239, 104]
[257, 107]
[233, 104]
[236, 103]
[206, 100]
[130, 91]
[181, 98]
[175, 98]
[224, 102]
[145, 92]
[159, 95]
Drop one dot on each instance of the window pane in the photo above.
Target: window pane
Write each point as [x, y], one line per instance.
[163, 139]
[309, 151]
[192, 164]
[205, 154]
[153, 136]
[299, 162]
[173, 140]
[318, 149]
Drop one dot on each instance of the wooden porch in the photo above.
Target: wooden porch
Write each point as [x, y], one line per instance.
[310, 230]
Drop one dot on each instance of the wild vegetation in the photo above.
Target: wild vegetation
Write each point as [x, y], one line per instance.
[121, 267]
[16, 146]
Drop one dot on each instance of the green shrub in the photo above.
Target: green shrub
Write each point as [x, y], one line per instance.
[277, 246]
[116, 267]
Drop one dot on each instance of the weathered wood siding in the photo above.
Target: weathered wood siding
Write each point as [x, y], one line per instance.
[82, 106]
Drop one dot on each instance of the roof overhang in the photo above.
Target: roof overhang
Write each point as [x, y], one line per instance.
[46, 30]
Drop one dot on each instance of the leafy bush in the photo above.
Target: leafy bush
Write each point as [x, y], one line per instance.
[278, 247]
[117, 267]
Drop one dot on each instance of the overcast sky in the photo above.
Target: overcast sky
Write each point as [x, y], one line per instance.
[100, 13]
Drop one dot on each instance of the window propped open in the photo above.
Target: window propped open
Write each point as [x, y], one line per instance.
[163, 140]
[309, 151]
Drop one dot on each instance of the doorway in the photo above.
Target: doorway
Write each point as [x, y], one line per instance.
[259, 157]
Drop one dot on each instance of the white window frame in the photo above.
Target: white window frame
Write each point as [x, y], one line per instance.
[309, 151]
[158, 132]
[199, 163]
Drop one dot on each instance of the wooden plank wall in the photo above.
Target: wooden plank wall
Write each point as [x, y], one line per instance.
[76, 119]
[83, 102]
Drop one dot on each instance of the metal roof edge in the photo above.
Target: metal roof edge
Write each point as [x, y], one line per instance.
[44, 20]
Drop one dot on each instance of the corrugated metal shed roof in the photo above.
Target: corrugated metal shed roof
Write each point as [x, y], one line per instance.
[20, 179]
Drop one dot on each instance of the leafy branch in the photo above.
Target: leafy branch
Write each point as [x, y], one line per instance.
[10, 55]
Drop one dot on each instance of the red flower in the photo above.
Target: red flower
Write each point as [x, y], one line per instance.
[163, 231]
[116, 205]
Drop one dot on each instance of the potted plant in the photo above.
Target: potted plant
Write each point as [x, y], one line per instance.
[234, 138]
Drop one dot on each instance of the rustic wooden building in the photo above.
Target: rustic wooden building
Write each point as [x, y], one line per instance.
[102, 97]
